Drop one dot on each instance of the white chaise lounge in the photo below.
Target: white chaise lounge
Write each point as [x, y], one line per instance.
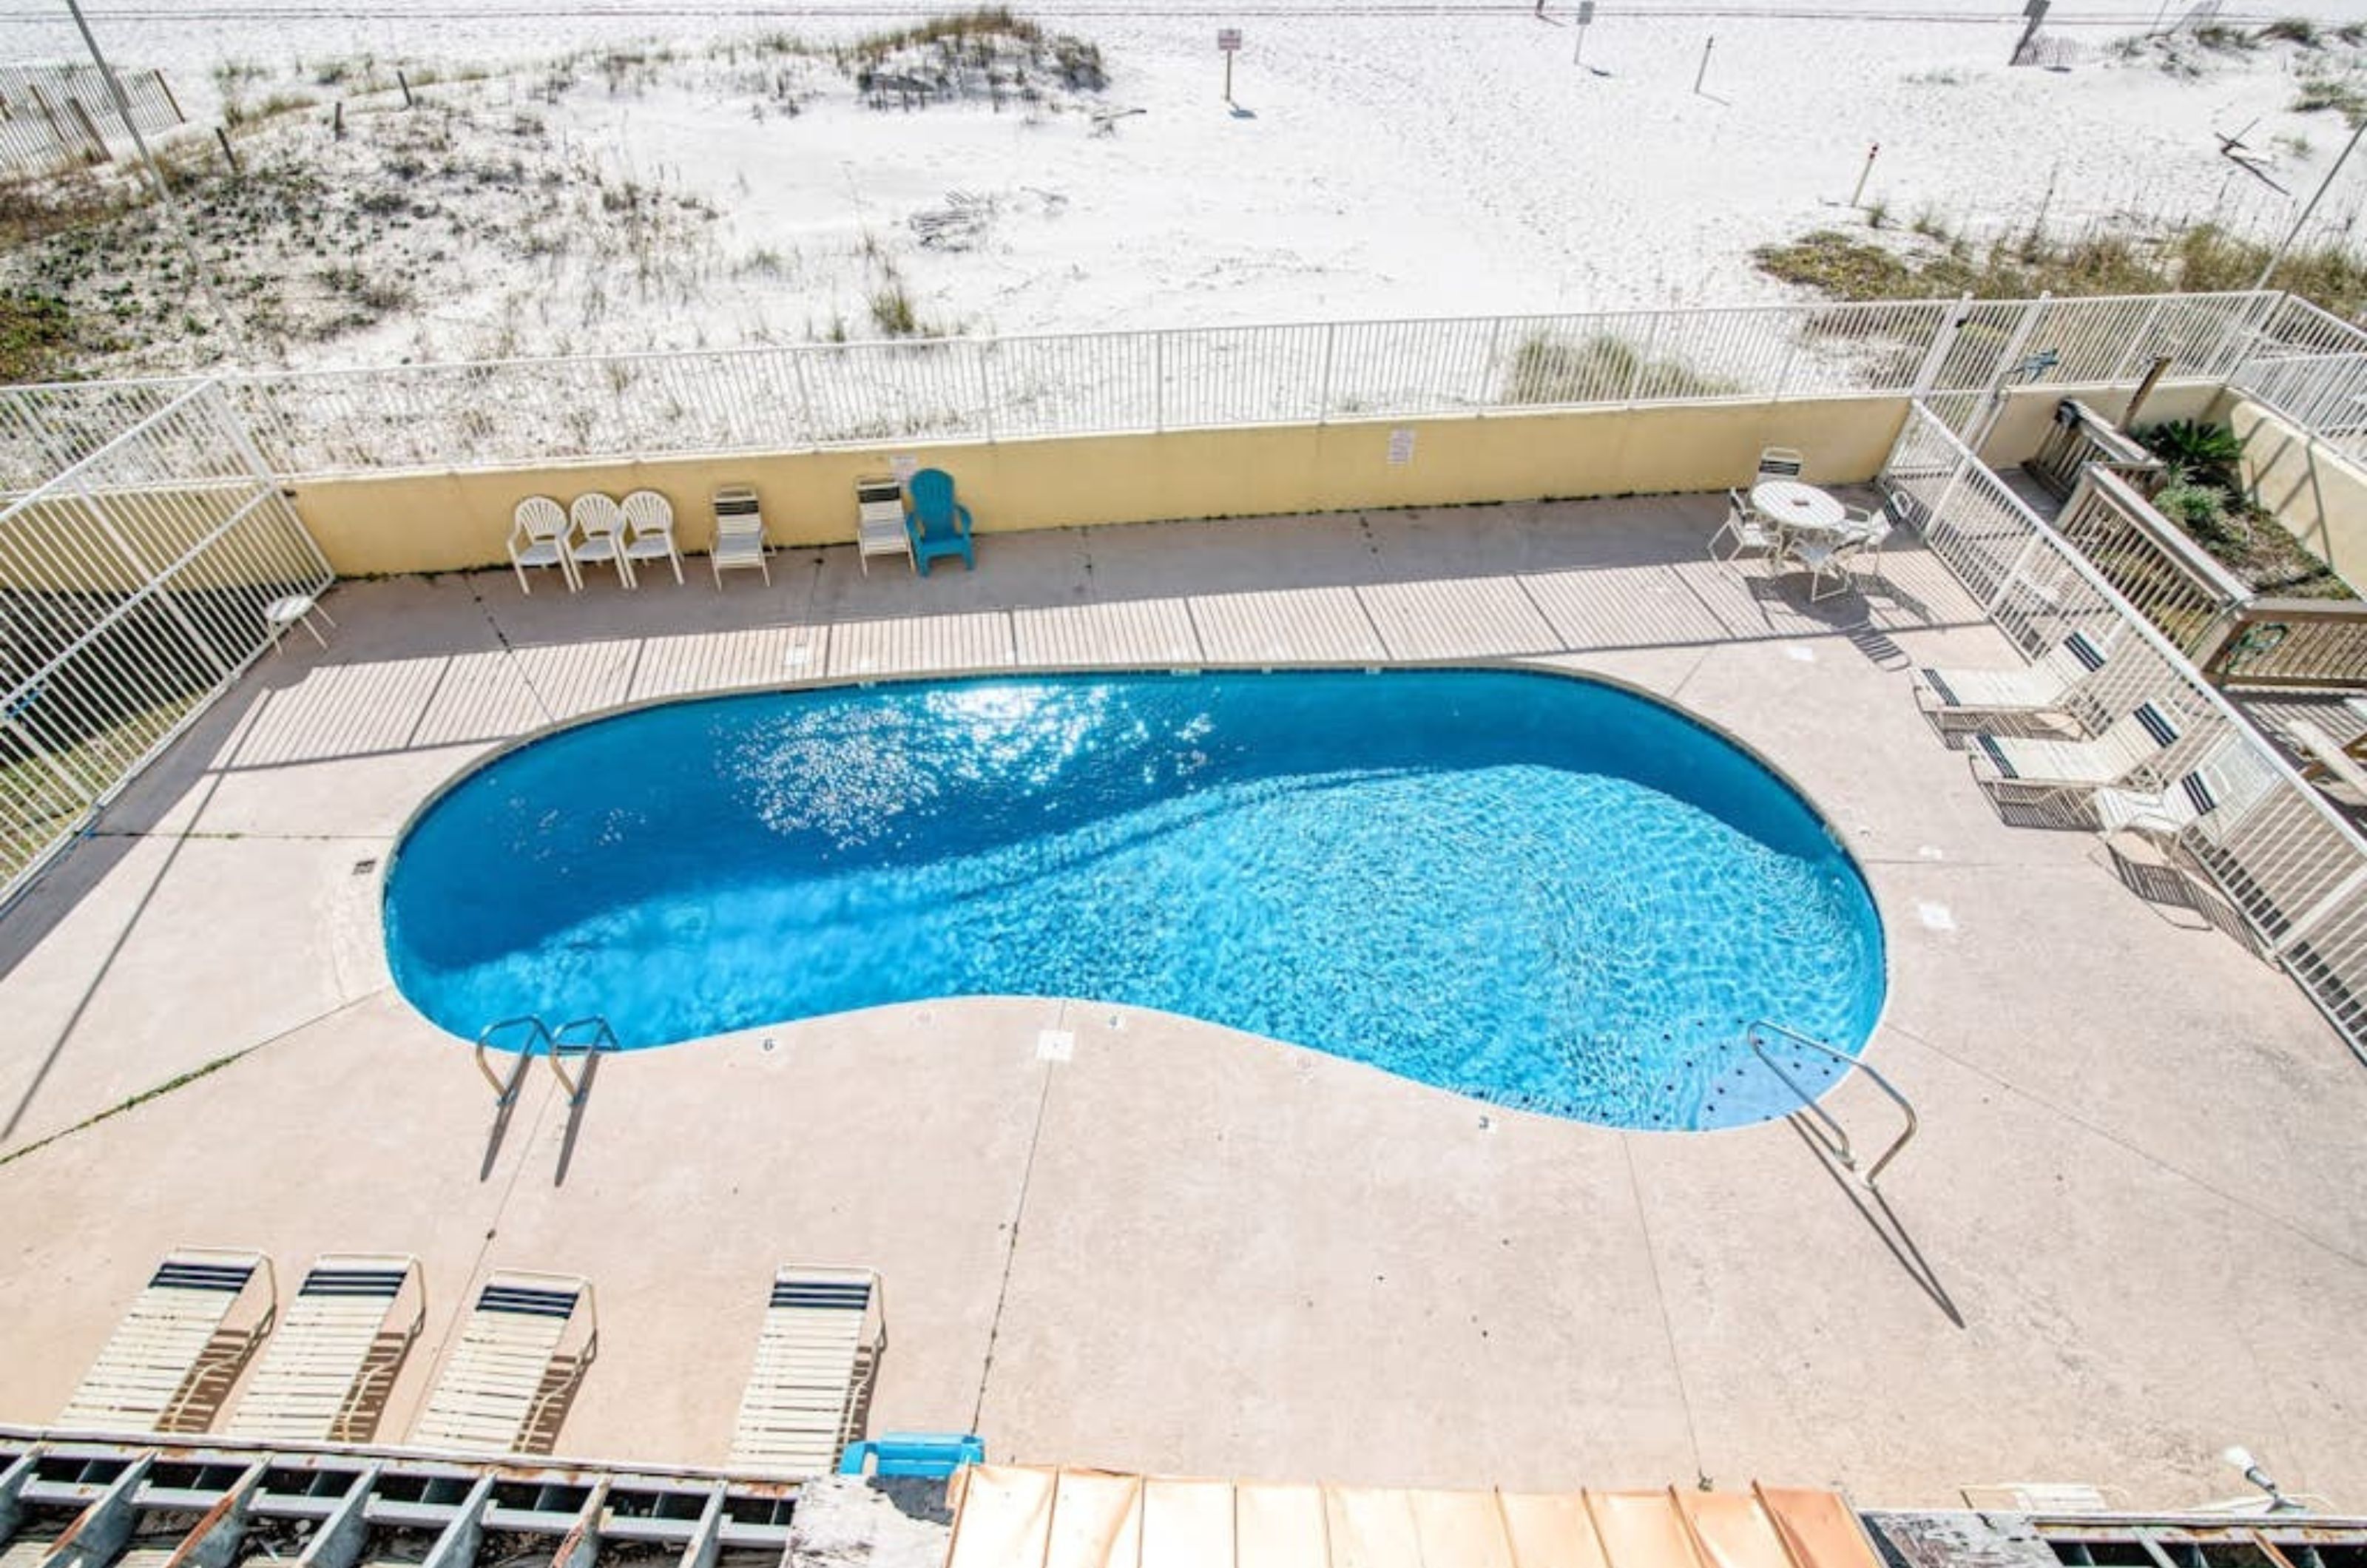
[324, 1373]
[181, 1341]
[1967, 699]
[820, 1347]
[504, 1384]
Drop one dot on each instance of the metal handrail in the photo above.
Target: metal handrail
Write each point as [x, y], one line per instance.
[506, 1089]
[1832, 1136]
[601, 1038]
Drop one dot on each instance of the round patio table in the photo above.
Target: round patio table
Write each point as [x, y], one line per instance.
[1795, 505]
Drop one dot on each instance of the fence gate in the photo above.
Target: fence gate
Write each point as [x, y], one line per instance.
[132, 590]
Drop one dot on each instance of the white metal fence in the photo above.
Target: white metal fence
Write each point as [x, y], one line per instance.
[132, 590]
[2289, 863]
[510, 412]
[2311, 368]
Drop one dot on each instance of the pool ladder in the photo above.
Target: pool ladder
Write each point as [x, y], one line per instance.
[577, 1037]
[1812, 1117]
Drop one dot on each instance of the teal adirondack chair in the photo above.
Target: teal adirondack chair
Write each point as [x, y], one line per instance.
[938, 524]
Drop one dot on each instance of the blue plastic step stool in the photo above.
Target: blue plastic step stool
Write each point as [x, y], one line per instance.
[934, 1455]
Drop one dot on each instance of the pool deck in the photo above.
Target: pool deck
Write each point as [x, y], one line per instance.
[2141, 1183]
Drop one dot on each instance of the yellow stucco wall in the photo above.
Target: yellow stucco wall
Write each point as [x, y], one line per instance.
[2030, 413]
[444, 521]
[2315, 492]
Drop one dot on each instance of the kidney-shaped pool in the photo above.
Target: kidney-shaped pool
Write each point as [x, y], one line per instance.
[1535, 890]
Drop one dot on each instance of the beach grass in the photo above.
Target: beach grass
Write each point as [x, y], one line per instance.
[2201, 258]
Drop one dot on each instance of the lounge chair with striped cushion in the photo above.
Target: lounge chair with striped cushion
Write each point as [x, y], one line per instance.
[326, 1371]
[1969, 699]
[2129, 754]
[177, 1350]
[505, 1385]
[820, 1348]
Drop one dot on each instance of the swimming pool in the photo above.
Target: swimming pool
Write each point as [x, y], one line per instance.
[1535, 890]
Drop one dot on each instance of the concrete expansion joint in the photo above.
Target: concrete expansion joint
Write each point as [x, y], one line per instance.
[206, 1070]
[2143, 1155]
[1011, 1237]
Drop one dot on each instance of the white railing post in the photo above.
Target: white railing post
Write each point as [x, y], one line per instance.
[242, 440]
[2223, 364]
[980, 350]
[1323, 375]
[2136, 340]
[805, 397]
[1643, 360]
[1994, 398]
[1159, 382]
[1944, 343]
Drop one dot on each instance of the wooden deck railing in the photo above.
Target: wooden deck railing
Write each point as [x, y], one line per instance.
[2081, 438]
[2167, 576]
[2315, 643]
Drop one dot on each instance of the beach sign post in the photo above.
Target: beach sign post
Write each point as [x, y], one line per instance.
[1585, 15]
[1228, 43]
[1871, 154]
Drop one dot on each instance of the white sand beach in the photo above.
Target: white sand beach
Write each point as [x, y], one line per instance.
[1407, 163]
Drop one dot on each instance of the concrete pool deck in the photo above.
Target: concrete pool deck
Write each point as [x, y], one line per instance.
[2139, 1183]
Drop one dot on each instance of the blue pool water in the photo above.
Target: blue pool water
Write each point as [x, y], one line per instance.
[1534, 890]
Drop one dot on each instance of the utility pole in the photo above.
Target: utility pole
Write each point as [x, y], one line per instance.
[165, 204]
[2277, 257]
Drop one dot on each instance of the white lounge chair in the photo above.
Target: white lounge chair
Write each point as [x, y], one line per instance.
[1967, 698]
[599, 534]
[1780, 463]
[649, 531]
[175, 1351]
[1748, 530]
[2016, 769]
[344, 1338]
[2164, 814]
[823, 1331]
[539, 537]
[738, 534]
[504, 1383]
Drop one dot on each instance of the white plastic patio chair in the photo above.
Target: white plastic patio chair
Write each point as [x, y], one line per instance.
[1873, 527]
[345, 1337]
[539, 537]
[1748, 530]
[2018, 769]
[504, 1381]
[599, 534]
[295, 610]
[1826, 554]
[1967, 698]
[649, 531]
[1824, 558]
[820, 1347]
[175, 1351]
[1780, 463]
[738, 534]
